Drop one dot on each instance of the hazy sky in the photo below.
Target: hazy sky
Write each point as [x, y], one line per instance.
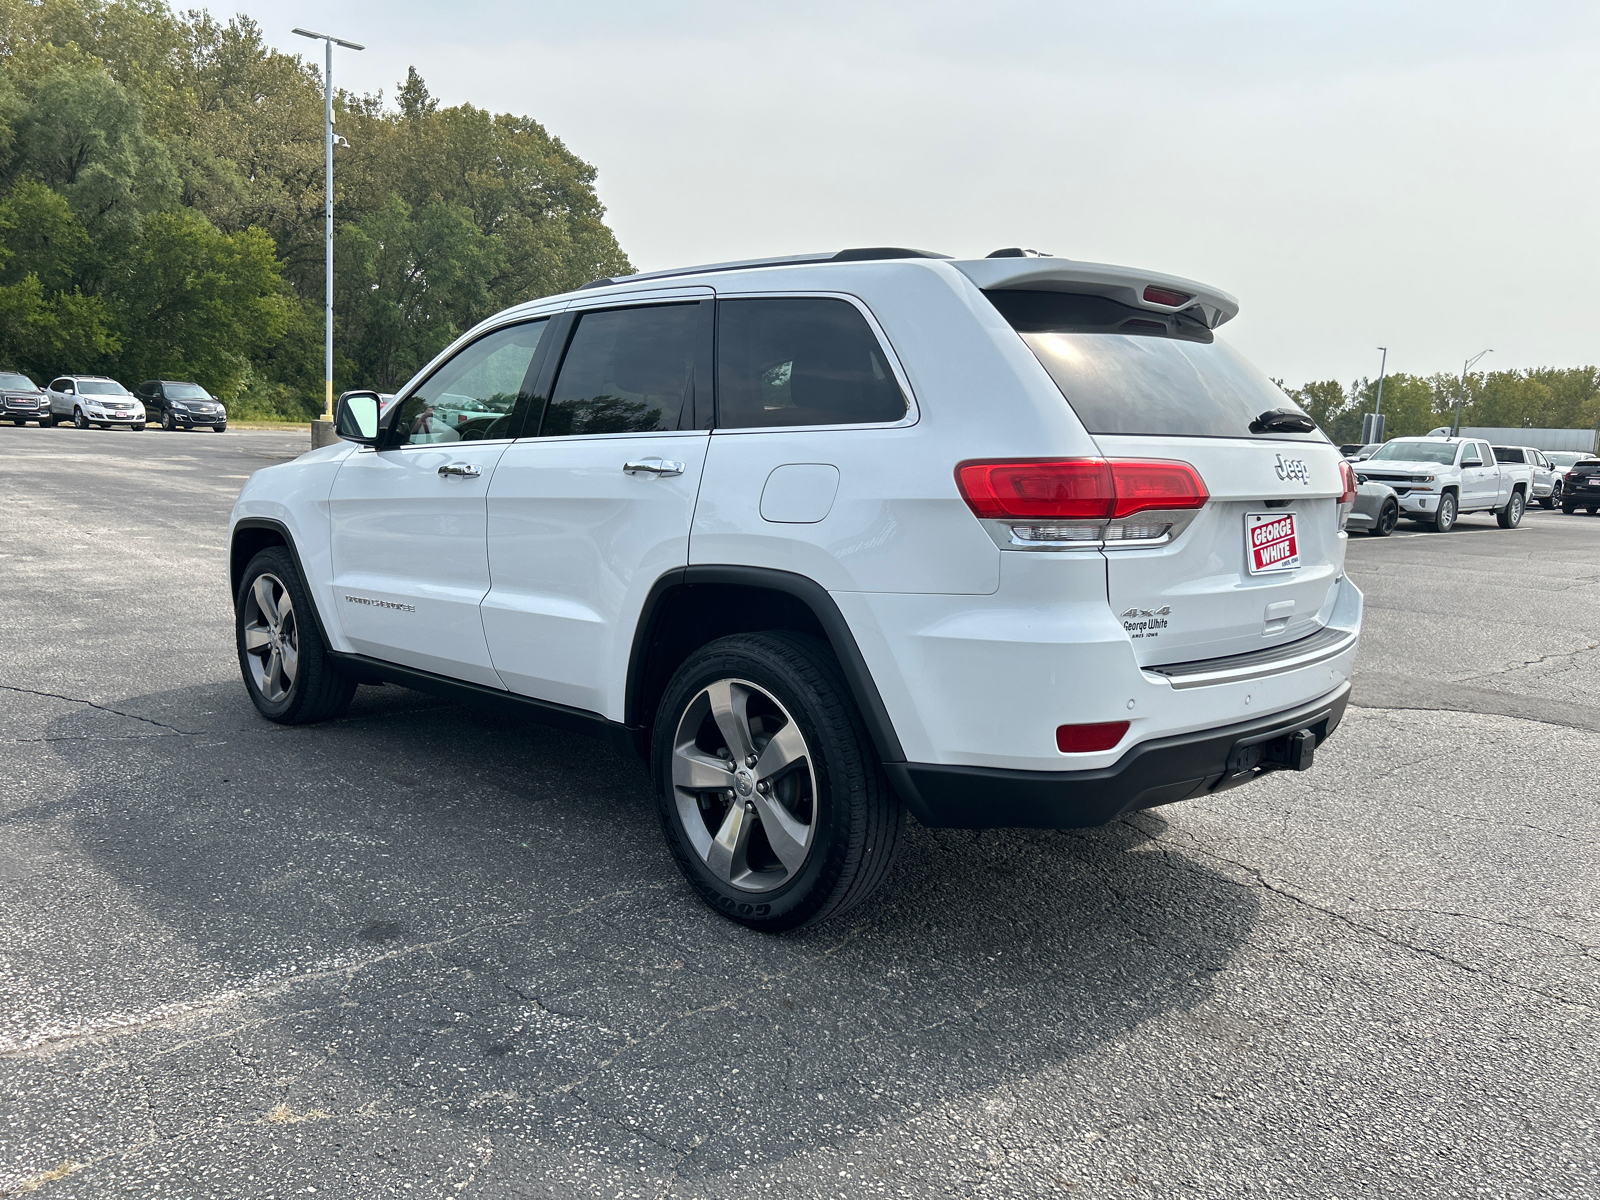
[1423, 176]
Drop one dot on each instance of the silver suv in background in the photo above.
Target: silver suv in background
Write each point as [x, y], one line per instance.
[87, 400]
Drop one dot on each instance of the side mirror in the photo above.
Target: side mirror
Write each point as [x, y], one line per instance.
[355, 419]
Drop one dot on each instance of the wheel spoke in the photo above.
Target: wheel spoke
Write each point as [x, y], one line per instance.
[288, 662]
[786, 835]
[698, 772]
[729, 704]
[255, 637]
[270, 675]
[727, 854]
[786, 747]
[262, 590]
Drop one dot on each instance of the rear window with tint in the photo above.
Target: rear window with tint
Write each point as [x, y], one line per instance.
[627, 370]
[1134, 371]
[801, 361]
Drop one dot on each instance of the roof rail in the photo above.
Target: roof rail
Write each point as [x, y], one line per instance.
[858, 254]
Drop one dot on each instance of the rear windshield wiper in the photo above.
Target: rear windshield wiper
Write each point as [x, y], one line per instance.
[1282, 420]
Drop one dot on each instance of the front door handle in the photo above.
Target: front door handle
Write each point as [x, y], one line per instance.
[466, 470]
[661, 468]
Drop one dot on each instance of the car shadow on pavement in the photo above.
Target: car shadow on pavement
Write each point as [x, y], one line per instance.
[427, 905]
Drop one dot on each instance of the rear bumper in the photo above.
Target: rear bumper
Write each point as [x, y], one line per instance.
[1161, 771]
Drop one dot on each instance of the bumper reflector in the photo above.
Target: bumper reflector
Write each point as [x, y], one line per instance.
[1086, 739]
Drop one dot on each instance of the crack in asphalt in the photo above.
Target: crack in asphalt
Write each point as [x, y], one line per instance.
[1382, 935]
[6, 687]
[1532, 662]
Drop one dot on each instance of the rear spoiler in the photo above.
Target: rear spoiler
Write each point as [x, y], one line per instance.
[1139, 289]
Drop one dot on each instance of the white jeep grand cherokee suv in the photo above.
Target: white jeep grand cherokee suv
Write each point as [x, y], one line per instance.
[1012, 541]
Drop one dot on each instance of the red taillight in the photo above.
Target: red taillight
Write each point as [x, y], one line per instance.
[1094, 489]
[1086, 739]
[1347, 475]
[1161, 295]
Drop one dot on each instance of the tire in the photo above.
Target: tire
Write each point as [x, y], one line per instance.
[1553, 499]
[167, 422]
[1510, 516]
[139, 428]
[296, 688]
[1590, 509]
[79, 421]
[1568, 507]
[19, 424]
[1445, 519]
[47, 422]
[219, 429]
[841, 819]
[1388, 518]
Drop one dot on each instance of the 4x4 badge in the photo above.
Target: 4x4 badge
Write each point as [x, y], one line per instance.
[1164, 611]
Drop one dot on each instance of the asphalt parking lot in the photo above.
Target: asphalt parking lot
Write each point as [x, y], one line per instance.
[425, 952]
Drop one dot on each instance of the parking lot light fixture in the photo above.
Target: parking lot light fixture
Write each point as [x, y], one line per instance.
[328, 41]
[1461, 391]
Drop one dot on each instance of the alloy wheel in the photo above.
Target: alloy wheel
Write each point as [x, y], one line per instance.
[271, 637]
[744, 785]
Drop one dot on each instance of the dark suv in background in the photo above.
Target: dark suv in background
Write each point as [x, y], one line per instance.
[179, 405]
[1581, 487]
[22, 400]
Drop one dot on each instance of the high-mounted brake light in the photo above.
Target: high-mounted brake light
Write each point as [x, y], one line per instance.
[1081, 489]
[1161, 295]
[1086, 739]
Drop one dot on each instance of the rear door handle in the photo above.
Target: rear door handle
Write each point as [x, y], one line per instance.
[466, 470]
[661, 468]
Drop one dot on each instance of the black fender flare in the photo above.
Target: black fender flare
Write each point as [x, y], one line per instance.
[236, 569]
[810, 593]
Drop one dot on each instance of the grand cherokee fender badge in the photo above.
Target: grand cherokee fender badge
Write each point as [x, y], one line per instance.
[381, 603]
[1146, 622]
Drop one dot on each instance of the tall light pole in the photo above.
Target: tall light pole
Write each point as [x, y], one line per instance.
[328, 41]
[1373, 432]
[1455, 426]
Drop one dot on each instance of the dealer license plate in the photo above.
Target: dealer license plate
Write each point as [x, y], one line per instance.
[1270, 542]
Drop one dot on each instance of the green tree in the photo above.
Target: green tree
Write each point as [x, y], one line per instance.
[198, 303]
[1326, 403]
[408, 283]
[83, 135]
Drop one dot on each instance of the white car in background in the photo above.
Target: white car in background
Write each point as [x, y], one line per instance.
[87, 400]
[1546, 485]
[1013, 541]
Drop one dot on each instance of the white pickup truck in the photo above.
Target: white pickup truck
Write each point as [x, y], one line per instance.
[1439, 478]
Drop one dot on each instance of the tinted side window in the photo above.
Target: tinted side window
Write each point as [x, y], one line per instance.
[801, 361]
[1507, 454]
[472, 395]
[626, 370]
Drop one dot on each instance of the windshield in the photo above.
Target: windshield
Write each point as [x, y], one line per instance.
[1138, 371]
[1443, 453]
[1564, 458]
[101, 387]
[22, 383]
[186, 391]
